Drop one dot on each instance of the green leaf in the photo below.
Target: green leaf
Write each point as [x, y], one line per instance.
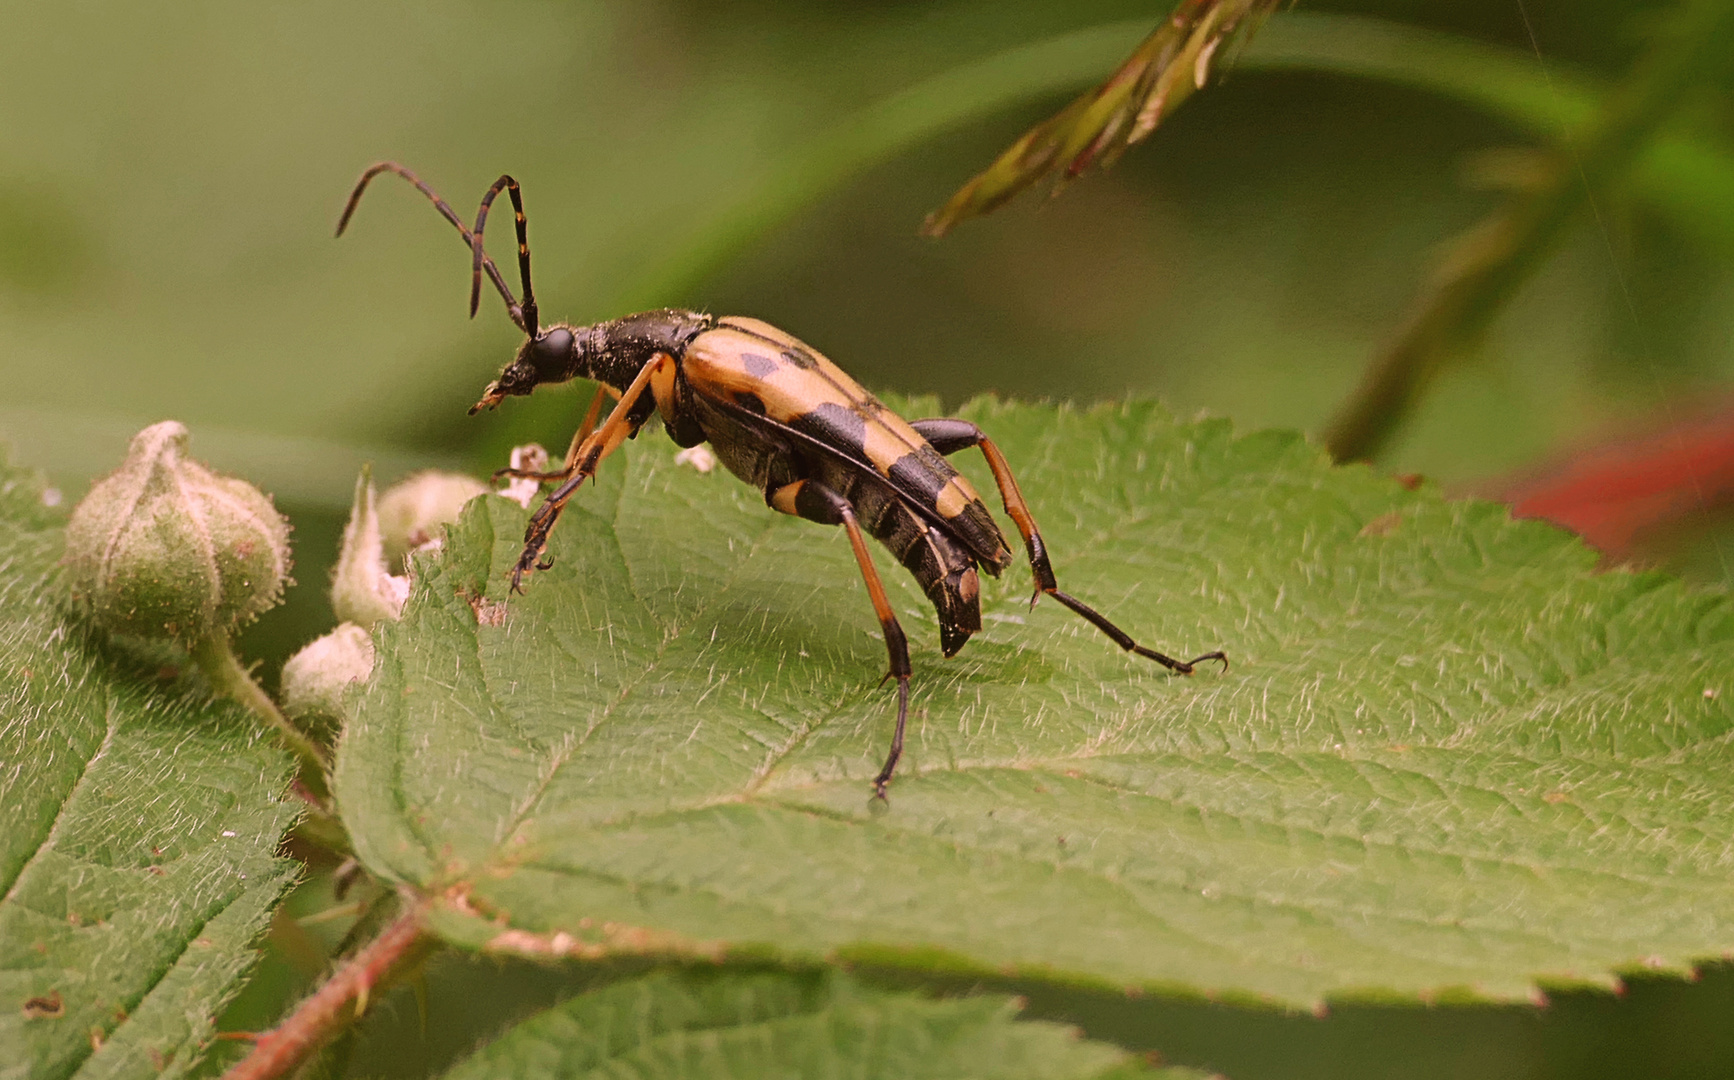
[1449, 754]
[723, 1024]
[136, 839]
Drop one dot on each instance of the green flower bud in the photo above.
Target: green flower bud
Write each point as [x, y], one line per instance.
[315, 678]
[164, 547]
[362, 591]
[413, 512]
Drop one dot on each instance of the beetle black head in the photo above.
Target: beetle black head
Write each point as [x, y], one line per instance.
[548, 357]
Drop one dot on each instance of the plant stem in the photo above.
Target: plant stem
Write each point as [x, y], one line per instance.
[322, 828]
[217, 659]
[1499, 255]
[316, 1020]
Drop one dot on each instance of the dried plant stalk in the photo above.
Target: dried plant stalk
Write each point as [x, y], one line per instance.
[1097, 128]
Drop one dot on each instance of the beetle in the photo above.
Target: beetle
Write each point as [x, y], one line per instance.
[786, 420]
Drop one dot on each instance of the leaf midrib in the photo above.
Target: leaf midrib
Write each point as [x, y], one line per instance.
[1668, 878]
[132, 1004]
[52, 833]
[1337, 915]
[1124, 889]
[754, 791]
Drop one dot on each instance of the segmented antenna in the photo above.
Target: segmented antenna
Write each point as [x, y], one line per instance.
[511, 186]
[524, 322]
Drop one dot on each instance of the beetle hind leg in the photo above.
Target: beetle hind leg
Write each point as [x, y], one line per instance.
[813, 501]
[1124, 640]
[948, 436]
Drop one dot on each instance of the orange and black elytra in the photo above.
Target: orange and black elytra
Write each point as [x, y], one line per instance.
[785, 420]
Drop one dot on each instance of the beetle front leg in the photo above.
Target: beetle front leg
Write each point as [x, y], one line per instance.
[811, 500]
[948, 436]
[583, 462]
[584, 429]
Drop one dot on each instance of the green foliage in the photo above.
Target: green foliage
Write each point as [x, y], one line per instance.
[1686, 174]
[1450, 758]
[137, 833]
[726, 1024]
[699, 172]
[1689, 176]
[1446, 756]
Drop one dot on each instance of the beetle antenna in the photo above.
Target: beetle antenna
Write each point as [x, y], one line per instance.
[531, 324]
[512, 306]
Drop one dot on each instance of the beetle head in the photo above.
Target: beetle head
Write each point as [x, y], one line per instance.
[545, 358]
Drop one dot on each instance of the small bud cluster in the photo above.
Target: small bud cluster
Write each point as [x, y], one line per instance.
[315, 678]
[414, 512]
[167, 550]
[363, 591]
[382, 532]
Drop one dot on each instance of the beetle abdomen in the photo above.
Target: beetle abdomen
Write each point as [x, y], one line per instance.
[956, 596]
[943, 567]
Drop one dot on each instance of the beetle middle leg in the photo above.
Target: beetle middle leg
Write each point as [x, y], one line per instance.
[811, 500]
[948, 436]
[583, 461]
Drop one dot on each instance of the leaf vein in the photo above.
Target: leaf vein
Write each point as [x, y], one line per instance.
[113, 726]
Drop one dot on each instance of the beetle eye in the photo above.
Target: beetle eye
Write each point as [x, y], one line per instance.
[551, 352]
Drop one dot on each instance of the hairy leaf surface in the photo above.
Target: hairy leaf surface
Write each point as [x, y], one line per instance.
[722, 1025]
[136, 840]
[1449, 754]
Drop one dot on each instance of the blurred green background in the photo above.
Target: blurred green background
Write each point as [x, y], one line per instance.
[170, 176]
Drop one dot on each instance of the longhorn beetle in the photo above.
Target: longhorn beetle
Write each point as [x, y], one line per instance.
[785, 420]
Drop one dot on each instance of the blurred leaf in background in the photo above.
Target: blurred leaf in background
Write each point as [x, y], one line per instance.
[1245, 260]
[702, 1025]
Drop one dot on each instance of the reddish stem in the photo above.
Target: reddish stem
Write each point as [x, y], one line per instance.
[281, 1050]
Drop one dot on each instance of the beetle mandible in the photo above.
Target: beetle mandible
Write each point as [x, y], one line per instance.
[785, 420]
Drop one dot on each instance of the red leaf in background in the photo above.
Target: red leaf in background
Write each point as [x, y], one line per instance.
[1616, 494]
